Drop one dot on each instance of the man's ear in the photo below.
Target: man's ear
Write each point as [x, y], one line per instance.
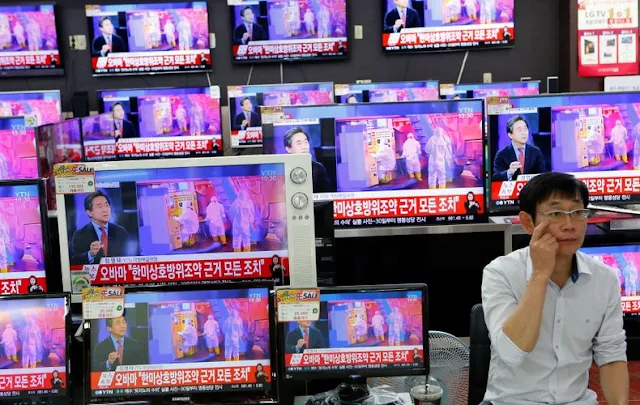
[527, 222]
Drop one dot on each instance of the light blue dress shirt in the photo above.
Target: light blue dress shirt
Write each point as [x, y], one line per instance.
[99, 233]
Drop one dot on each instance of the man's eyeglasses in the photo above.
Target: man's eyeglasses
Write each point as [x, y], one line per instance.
[575, 215]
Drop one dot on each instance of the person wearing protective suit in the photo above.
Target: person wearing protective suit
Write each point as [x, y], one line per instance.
[5, 244]
[619, 138]
[630, 275]
[216, 216]
[440, 156]
[470, 6]
[170, 33]
[184, 34]
[189, 223]
[197, 120]
[9, 339]
[396, 324]
[310, 22]
[189, 338]
[324, 23]
[487, 11]
[361, 329]
[211, 332]
[34, 36]
[386, 159]
[595, 146]
[242, 213]
[30, 338]
[18, 31]
[232, 329]
[411, 151]
[181, 118]
[378, 326]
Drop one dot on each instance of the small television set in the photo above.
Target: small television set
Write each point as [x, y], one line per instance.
[18, 151]
[625, 260]
[38, 107]
[591, 136]
[275, 30]
[368, 331]
[389, 164]
[450, 91]
[386, 92]
[58, 143]
[192, 221]
[187, 342]
[245, 102]
[148, 123]
[98, 137]
[29, 43]
[412, 26]
[148, 38]
[36, 334]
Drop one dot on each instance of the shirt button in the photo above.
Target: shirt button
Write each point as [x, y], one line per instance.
[557, 346]
[559, 320]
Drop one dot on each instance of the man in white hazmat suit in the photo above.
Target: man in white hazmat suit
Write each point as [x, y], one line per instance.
[487, 11]
[211, 332]
[170, 33]
[189, 338]
[396, 324]
[386, 158]
[184, 34]
[232, 329]
[470, 6]
[181, 118]
[216, 216]
[411, 152]
[30, 340]
[361, 329]
[197, 120]
[595, 146]
[5, 244]
[18, 32]
[242, 213]
[378, 326]
[309, 22]
[9, 339]
[34, 36]
[440, 156]
[619, 139]
[630, 275]
[189, 223]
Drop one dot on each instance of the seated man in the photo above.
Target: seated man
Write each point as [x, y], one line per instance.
[551, 310]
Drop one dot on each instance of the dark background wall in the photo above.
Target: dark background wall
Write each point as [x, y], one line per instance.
[536, 54]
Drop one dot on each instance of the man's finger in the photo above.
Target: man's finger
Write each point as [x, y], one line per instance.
[539, 231]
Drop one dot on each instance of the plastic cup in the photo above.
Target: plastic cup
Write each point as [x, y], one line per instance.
[426, 395]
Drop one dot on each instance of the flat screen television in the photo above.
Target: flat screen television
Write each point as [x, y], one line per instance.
[245, 101]
[29, 40]
[293, 30]
[366, 331]
[387, 92]
[187, 342]
[389, 164]
[190, 221]
[148, 38]
[152, 123]
[483, 90]
[594, 136]
[413, 26]
[38, 107]
[18, 150]
[36, 335]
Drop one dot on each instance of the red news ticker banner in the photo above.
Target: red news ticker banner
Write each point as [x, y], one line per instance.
[445, 37]
[248, 136]
[181, 271]
[29, 60]
[631, 305]
[329, 46]
[125, 61]
[339, 358]
[140, 147]
[14, 286]
[176, 377]
[31, 381]
[399, 207]
[607, 37]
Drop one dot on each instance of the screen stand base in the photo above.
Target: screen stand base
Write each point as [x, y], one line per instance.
[354, 390]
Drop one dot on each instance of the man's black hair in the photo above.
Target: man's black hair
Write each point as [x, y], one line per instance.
[88, 200]
[245, 99]
[245, 9]
[103, 20]
[551, 184]
[513, 121]
[114, 105]
[290, 133]
[352, 95]
[109, 321]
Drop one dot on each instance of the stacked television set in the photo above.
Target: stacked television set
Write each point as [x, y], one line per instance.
[38, 107]
[386, 92]
[450, 91]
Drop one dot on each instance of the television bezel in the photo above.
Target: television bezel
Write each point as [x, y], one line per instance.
[386, 86]
[469, 91]
[17, 92]
[100, 94]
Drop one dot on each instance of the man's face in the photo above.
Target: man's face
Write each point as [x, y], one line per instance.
[304, 324]
[118, 113]
[247, 106]
[118, 327]
[401, 3]
[352, 100]
[248, 16]
[520, 132]
[107, 27]
[100, 210]
[299, 144]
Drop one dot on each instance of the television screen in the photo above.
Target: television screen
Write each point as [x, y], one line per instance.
[595, 137]
[150, 123]
[393, 164]
[58, 143]
[149, 38]
[18, 151]
[360, 332]
[245, 102]
[483, 90]
[276, 30]
[183, 342]
[38, 107]
[35, 353]
[386, 92]
[443, 25]
[29, 41]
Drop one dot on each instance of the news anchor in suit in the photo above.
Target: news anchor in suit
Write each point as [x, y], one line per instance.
[248, 31]
[122, 127]
[304, 337]
[246, 118]
[400, 17]
[519, 157]
[99, 237]
[109, 41]
[117, 349]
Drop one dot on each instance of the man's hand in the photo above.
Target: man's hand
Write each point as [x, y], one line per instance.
[397, 25]
[543, 247]
[300, 343]
[105, 49]
[244, 123]
[245, 37]
[512, 168]
[113, 356]
[94, 248]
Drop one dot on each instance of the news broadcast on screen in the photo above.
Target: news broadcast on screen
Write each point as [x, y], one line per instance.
[151, 123]
[149, 38]
[245, 102]
[592, 136]
[440, 25]
[181, 342]
[275, 30]
[38, 107]
[451, 91]
[29, 40]
[388, 92]
[18, 151]
[392, 164]
[625, 260]
[34, 358]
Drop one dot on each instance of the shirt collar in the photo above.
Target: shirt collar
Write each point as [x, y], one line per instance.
[400, 11]
[578, 266]
[515, 148]
[97, 227]
[115, 341]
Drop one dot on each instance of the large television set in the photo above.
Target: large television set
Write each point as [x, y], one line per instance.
[435, 25]
[276, 30]
[594, 136]
[29, 41]
[190, 221]
[18, 150]
[36, 335]
[38, 107]
[148, 123]
[389, 164]
[386, 92]
[366, 331]
[245, 101]
[450, 91]
[149, 38]
[58, 143]
[188, 342]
